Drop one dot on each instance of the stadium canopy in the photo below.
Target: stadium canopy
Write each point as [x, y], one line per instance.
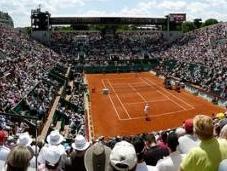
[106, 20]
[43, 20]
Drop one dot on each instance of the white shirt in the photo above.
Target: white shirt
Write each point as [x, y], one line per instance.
[2, 164]
[4, 151]
[146, 108]
[33, 162]
[187, 142]
[171, 162]
[143, 167]
[223, 165]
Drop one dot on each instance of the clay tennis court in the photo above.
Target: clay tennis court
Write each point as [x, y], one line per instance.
[121, 112]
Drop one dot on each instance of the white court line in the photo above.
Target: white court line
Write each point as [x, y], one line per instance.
[151, 101]
[142, 83]
[170, 93]
[112, 102]
[171, 100]
[155, 116]
[142, 117]
[119, 99]
[182, 107]
[141, 96]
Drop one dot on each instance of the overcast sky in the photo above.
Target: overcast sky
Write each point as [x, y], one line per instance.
[20, 9]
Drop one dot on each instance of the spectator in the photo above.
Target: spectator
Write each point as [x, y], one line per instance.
[97, 157]
[211, 151]
[53, 139]
[139, 147]
[24, 139]
[171, 162]
[77, 156]
[180, 132]
[223, 133]
[222, 123]
[223, 165]
[4, 151]
[52, 159]
[153, 152]
[18, 159]
[123, 157]
[162, 140]
[189, 140]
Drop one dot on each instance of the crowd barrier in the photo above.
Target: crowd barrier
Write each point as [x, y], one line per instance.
[211, 97]
[198, 91]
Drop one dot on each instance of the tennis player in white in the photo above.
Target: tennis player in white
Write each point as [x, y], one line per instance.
[146, 110]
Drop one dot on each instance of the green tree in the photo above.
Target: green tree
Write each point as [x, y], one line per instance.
[188, 26]
[210, 21]
[197, 22]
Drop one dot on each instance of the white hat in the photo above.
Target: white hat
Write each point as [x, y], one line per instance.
[123, 154]
[24, 139]
[80, 143]
[180, 131]
[55, 138]
[52, 155]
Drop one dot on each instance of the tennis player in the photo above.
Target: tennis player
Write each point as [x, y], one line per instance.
[146, 110]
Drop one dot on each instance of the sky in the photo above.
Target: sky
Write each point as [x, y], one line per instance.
[20, 10]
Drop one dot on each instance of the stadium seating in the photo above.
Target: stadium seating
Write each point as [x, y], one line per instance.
[32, 76]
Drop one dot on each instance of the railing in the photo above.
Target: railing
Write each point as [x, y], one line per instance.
[211, 97]
[196, 90]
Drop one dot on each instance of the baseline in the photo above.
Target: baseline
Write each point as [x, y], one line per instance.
[155, 116]
[151, 101]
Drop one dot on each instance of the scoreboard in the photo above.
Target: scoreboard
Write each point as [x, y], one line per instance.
[177, 17]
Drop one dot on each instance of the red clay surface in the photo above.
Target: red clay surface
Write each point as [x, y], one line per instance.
[122, 111]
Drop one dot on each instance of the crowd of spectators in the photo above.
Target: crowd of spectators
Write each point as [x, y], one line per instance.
[23, 63]
[71, 110]
[199, 57]
[79, 88]
[199, 145]
[124, 46]
[39, 100]
[71, 116]
[96, 48]
[68, 43]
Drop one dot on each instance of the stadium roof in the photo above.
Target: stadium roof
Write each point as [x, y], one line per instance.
[106, 20]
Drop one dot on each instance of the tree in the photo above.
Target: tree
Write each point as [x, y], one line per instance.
[210, 21]
[188, 26]
[197, 22]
